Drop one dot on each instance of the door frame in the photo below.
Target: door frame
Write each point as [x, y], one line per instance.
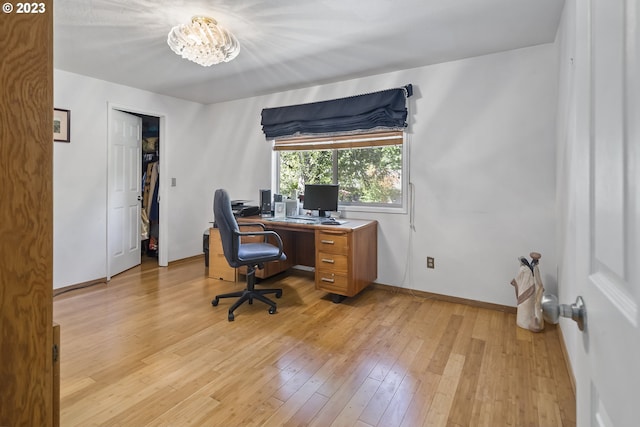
[163, 235]
[26, 272]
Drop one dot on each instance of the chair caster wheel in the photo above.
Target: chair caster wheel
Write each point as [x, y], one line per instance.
[231, 317]
[278, 294]
[215, 302]
[272, 310]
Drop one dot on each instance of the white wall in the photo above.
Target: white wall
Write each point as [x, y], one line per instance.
[483, 161]
[80, 174]
[482, 141]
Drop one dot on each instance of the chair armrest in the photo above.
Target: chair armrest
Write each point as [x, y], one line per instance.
[243, 224]
[251, 233]
[260, 233]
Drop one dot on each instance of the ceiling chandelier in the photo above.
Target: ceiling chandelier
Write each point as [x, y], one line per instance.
[203, 42]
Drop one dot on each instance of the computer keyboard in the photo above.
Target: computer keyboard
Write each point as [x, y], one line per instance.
[303, 217]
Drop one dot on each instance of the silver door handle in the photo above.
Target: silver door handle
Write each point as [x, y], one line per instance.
[552, 311]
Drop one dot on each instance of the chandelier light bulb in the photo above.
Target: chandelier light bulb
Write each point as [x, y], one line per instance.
[203, 42]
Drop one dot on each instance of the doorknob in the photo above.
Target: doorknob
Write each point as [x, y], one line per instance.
[552, 311]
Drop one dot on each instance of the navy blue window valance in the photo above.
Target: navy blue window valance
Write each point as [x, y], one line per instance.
[384, 110]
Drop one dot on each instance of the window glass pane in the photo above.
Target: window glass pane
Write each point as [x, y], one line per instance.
[371, 175]
[298, 168]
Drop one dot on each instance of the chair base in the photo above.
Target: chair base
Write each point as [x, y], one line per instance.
[249, 294]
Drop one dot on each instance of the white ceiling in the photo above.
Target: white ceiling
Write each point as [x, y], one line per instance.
[288, 44]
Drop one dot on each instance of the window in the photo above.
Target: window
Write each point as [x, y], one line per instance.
[370, 169]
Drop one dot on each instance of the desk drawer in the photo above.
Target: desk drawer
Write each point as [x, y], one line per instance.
[335, 263]
[330, 282]
[337, 243]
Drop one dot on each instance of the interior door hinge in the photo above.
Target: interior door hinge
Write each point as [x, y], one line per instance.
[56, 353]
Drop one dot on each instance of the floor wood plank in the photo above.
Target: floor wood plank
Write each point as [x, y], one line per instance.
[148, 349]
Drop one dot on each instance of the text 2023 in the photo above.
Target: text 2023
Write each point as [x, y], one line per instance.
[31, 7]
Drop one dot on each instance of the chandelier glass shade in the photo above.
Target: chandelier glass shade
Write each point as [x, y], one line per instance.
[203, 42]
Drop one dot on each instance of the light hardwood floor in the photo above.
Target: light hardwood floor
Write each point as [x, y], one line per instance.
[148, 349]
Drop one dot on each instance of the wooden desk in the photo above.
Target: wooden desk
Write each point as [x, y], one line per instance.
[345, 257]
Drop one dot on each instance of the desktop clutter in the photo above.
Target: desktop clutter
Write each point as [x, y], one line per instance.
[322, 198]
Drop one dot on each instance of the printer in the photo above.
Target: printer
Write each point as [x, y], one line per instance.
[241, 209]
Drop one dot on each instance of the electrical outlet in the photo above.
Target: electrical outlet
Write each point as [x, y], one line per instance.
[431, 262]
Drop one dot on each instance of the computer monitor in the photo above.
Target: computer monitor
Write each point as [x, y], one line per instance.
[320, 197]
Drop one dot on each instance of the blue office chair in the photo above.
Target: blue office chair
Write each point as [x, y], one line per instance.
[253, 255]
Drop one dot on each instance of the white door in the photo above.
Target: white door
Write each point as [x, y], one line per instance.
[608, 211]
[123, 222]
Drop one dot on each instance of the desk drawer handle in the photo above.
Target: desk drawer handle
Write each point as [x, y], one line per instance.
[327, 260]
[327, 242]
[324, 279]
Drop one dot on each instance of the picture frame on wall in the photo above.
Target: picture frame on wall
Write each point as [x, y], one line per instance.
[61, 125]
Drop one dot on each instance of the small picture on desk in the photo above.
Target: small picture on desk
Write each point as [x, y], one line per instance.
[279, 210]
[291, 207]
